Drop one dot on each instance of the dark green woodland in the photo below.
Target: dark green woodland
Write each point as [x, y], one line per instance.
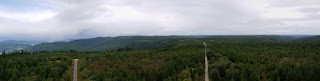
[168, 58]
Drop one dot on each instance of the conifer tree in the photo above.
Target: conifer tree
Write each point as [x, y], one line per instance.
[4, 53]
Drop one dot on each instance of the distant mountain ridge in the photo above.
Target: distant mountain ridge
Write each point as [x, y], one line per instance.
[145, 42]
[308, 39]
[12, 45]
[105, 43]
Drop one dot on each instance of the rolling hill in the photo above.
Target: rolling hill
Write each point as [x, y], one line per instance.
[106, 43]
[146, 42]
[308, 39]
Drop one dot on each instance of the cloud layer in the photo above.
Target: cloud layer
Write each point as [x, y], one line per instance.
[65, 19]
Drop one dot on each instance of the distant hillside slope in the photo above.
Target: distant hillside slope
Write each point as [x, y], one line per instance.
[11, 45]
[308, 39]
[106, 43]
[251, 38]
[144, 42]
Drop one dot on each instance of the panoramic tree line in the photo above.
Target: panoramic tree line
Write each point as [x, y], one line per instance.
[255, 61]
[183, 62]
[230, 59]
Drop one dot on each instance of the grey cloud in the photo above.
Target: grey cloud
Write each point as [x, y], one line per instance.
[92, 18]
[293, 3]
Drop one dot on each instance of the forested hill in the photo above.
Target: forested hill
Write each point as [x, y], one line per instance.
[308, 39]
[145, 42]
[230, 58]
[252, 38]
[106, 43]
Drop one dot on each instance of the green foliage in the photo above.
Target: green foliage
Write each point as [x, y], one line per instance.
[263, 60]
[231, 58]
[35, 67]
[308, 39]
[176, 63]
[4, 53]
[185, 75]
[107, 43]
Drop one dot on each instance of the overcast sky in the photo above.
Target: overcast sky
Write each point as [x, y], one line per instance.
[68, 19]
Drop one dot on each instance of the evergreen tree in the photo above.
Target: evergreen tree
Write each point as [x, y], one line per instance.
[4, 53]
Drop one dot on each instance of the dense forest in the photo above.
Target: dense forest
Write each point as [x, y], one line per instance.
[107, 43]
[268, 61]
[231, 58]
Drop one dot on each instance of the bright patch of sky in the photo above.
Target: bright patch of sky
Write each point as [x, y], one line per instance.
[24, 5]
